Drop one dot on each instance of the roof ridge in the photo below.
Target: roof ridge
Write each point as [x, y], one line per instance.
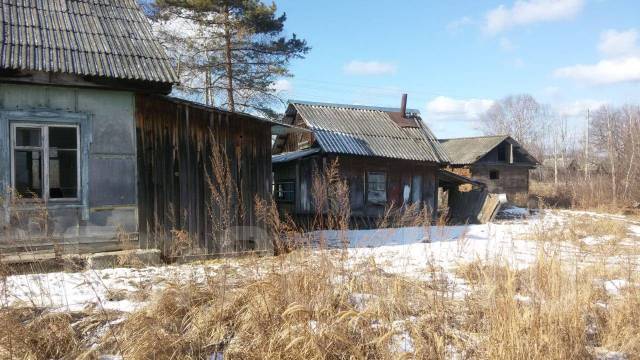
[477, 137]
[350, 106]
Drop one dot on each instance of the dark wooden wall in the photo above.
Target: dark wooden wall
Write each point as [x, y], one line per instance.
[353, 169]
[174, 146]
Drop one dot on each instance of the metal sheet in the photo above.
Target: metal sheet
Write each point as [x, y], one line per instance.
[369, 131]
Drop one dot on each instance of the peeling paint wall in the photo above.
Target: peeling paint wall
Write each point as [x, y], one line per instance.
[108, 201]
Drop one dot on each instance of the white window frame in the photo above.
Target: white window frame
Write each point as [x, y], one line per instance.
[44, 142]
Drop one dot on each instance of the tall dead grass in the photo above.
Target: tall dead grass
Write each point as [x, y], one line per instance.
[319, 303]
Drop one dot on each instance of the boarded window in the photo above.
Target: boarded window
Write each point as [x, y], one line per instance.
[494, 175]
[45, 161]
[377, 188]
[285, 191]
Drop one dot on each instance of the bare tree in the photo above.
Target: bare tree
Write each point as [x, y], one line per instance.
[520, 116]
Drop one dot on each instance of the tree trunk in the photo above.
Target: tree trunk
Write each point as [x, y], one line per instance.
[555, 164]
[633, 156]
[228, 60]
[612, 160]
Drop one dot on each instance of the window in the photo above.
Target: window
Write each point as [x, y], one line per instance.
[494, 175]
[377, 187]
[285, 191]
[45, 161]
[502, 153]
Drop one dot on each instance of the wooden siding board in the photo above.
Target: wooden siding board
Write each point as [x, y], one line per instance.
[175, 141]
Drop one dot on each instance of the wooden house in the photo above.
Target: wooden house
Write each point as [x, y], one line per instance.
[500, 162]
[388, 156]
[92, 151]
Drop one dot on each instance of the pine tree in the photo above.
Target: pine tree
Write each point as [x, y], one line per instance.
[237, 51]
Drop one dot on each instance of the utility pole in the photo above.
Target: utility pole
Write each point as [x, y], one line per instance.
[586, 148]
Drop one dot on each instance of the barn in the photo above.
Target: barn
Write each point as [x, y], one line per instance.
[94, 156]
[499, 161]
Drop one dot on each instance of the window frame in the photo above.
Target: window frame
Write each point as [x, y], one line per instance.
[368, 186]
[497, 174]
[44, 147]
[276, 192]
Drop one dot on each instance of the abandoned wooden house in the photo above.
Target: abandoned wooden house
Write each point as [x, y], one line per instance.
[92, 151]
[500, 162]
[388, 157]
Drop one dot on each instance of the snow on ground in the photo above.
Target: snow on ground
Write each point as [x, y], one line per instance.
[407, 251]
[108, 289]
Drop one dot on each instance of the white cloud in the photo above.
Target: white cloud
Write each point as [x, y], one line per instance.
[526, 12]
[616, 43]
[459, 109]
[356, 67]
[578, 108]
[282, 85]
[608, 71]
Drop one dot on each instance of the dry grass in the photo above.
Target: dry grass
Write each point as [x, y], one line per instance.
[315, 305]
[319, 304]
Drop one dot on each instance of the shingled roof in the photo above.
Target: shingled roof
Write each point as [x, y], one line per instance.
[369, 131]
[101, 38]
[466, 151]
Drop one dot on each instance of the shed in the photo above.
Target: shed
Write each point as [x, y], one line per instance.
[498, 161]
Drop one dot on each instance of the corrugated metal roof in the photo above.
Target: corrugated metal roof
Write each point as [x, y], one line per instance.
[293, 155]
[369, 131]
[465, 151]
[104, 38]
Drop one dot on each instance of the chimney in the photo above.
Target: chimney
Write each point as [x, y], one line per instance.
[403, 106]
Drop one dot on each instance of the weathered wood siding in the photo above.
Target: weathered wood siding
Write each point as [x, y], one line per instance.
[421, 178]
[175, 141]
[513, 180]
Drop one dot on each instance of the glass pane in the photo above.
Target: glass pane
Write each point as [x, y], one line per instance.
[28, 173]
[28, 137]
[63, 137]
[63, 174]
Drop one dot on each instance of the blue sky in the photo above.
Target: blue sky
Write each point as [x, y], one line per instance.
[454, 58]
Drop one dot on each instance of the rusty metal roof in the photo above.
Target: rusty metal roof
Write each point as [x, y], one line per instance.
[368, 131]
[102, 38]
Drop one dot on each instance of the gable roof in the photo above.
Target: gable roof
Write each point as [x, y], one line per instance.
[466, 151]
[369, 131]
[102, 38]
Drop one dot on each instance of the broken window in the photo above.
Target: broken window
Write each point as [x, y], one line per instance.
[45, 161]
[285, 191]
[377, 187]
[494, 175]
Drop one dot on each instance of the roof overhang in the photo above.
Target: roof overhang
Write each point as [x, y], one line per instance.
[448, 178]
[294, 155]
